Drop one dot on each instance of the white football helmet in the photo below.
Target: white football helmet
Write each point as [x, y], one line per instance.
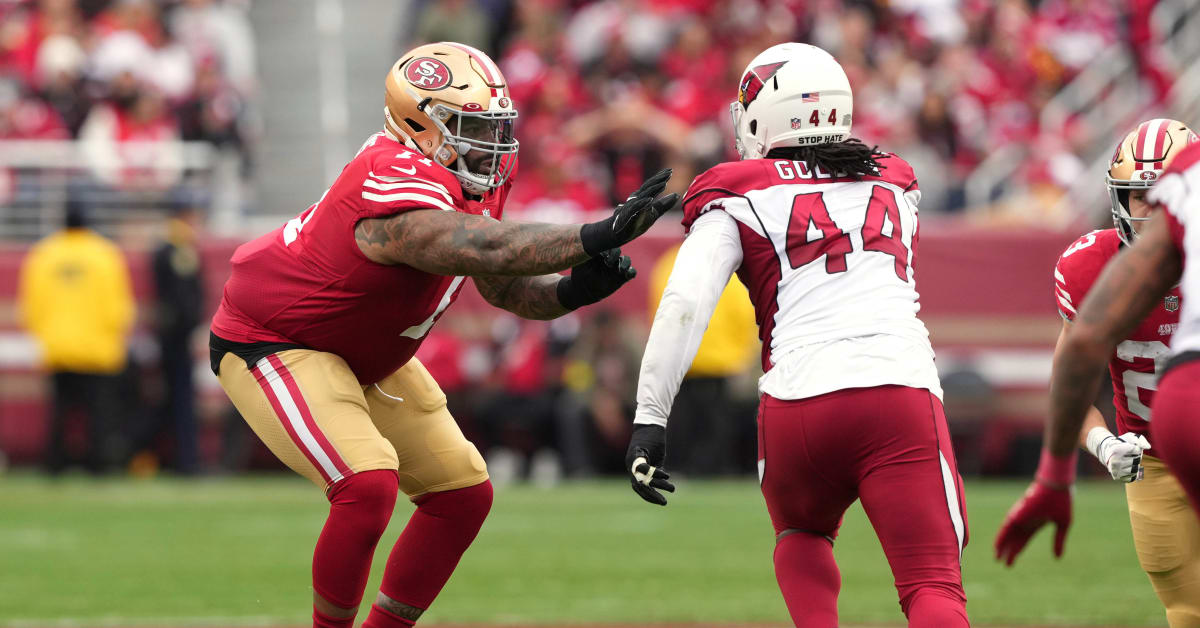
[791, 95]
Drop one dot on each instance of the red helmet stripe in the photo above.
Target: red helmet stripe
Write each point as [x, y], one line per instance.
[1139, 145]
[1151, 140]
[1160, 141]
[490, 71]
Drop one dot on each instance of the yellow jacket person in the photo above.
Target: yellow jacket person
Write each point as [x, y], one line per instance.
[75, 299]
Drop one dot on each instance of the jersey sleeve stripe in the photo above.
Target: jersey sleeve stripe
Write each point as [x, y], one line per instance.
[394, 179]
[1066, 305]
[433, 201]
[1059, 276]
[411, 184]
[1063, 296]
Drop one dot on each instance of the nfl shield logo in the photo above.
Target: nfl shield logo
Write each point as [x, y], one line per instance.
[797, 123]
[1171, 304]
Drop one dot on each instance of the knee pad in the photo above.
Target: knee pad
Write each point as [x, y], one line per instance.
[464, 505]
[370, 496]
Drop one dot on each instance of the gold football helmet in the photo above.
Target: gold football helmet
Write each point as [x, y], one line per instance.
[1137, 164]
[453, 103]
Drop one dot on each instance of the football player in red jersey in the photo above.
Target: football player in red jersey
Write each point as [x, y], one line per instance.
[1166, 531]
[823, 231]
[315, 335]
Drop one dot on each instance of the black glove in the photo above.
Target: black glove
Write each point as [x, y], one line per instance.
[595, 279]
[631, 218]
[644, 458]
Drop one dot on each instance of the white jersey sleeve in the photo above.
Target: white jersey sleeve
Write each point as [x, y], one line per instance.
[706, 260]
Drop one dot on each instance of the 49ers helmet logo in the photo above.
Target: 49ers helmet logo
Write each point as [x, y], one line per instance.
[428, 73]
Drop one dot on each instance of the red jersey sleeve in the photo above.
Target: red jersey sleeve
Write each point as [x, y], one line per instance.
[403, 180]
[724, 180]
[894, 170]
[1079, 266]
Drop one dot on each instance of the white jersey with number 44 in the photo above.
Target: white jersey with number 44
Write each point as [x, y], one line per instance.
[828, 262]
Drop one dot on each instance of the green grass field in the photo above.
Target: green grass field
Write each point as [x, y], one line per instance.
[236, 552]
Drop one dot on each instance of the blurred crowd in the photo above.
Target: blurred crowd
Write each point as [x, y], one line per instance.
[128, 77]
[609, 90]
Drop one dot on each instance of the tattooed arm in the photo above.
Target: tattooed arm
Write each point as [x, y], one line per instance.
[1125, 293]
[550, 296]
[455, 243]
[528, 297]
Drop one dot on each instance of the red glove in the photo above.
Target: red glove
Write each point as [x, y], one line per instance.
[1047, 499]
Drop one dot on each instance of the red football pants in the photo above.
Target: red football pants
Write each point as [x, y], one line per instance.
[1175, 426]
[888, 446]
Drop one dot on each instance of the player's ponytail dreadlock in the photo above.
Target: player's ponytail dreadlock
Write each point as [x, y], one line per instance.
[850, 158]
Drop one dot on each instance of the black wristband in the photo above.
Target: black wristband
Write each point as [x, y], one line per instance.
[570, 296]
[598, 237]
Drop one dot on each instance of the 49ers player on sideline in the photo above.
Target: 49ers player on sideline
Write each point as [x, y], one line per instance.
[823, 231]
[316, 331]
[1166, 532]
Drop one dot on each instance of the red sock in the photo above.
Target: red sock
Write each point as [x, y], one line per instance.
[359, 510]
[325, 621]
[429, 549]
[809, 579]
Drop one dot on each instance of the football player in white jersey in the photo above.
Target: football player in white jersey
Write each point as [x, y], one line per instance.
[1166, 253]
[822, 230]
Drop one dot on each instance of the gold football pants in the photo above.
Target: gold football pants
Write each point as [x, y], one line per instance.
[1166, 535]
[311, 412]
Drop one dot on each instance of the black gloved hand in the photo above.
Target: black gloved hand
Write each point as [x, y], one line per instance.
[631, 218]
[595, 279]
[644, 458]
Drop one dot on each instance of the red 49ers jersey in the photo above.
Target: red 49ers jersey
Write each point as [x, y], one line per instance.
[307, 283]
[1139, 359]
[828, 262]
